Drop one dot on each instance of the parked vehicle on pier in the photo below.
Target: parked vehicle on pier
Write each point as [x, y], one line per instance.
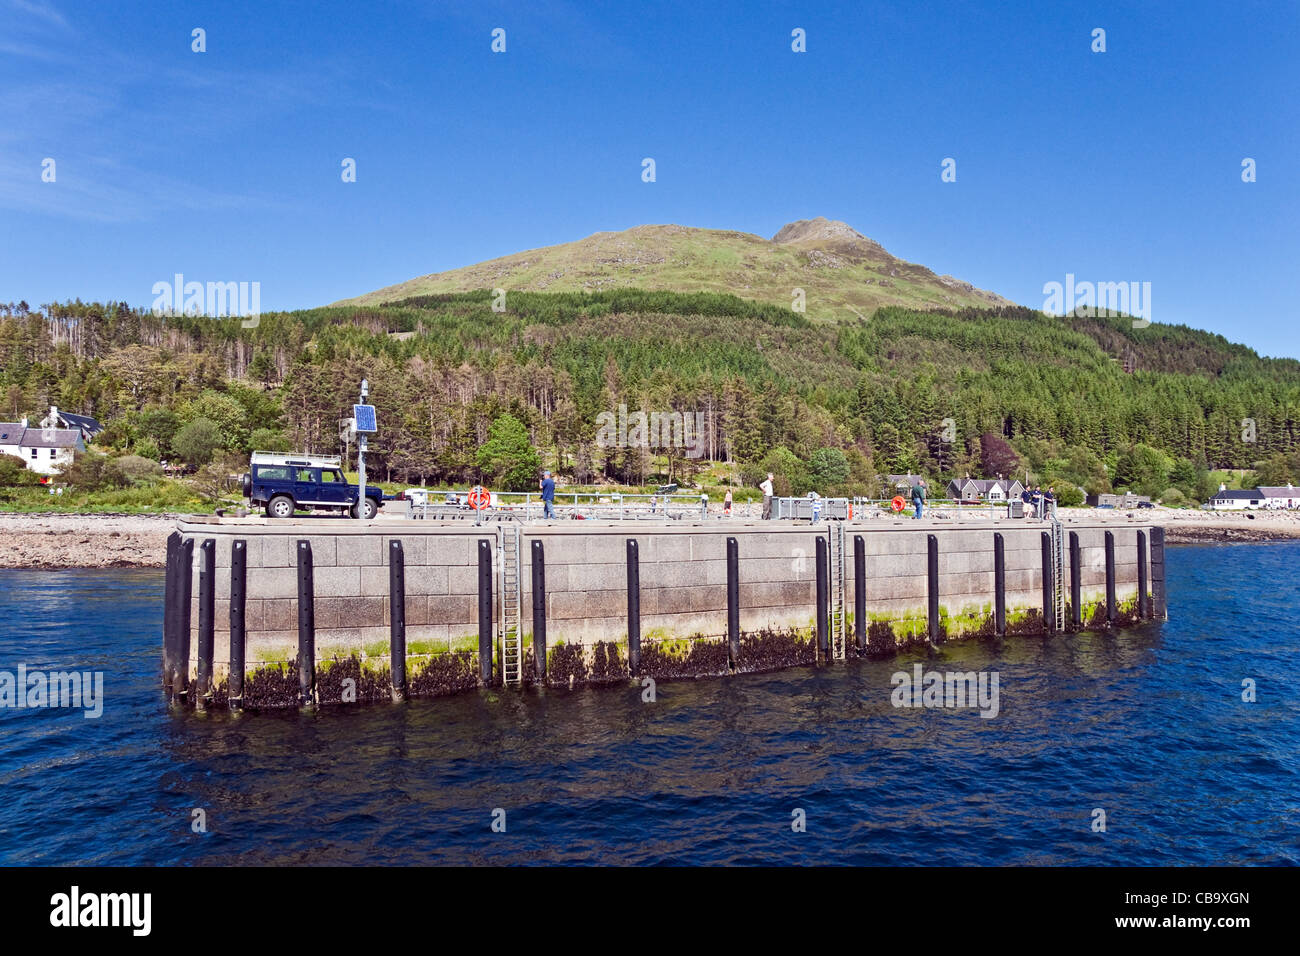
[284, 483]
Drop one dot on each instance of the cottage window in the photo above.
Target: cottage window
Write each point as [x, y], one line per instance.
[34, 452]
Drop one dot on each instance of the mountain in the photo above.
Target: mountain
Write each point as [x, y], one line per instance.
[844, 274]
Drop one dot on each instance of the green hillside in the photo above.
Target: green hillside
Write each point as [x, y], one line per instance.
[824, 405]
[844, 275]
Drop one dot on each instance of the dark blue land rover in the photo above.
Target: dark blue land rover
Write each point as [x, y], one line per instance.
[283, 484]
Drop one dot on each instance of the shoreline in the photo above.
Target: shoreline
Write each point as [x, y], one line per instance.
[57, 541]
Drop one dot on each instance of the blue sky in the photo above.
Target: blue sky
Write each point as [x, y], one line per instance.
[225, 165]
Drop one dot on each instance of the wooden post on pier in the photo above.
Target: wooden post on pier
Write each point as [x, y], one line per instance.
[733, 600]
[306, 625]
[823, 595]
[397, 619]
[633, 608]
[185, 592]
[1144, 607]
[932, 587]
[1076, 581]
[999, 585]
[1049, 585]
[860, 591]
[238, 629]
[171, 611]
[207, 624]
[485, 610]
[1159, 609]
[539, 611]
[1112, 612]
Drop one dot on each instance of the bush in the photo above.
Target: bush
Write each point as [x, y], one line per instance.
[198, 441]
[14, 473]
[148, 448]
[507, 459]
[1069, 496]
[134, 468]
[265, 439]
[91, 471]
[219, 479]
[829, 467]
[1173, 498]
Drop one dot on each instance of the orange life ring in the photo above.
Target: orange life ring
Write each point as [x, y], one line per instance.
[898, 504]
[479, 498]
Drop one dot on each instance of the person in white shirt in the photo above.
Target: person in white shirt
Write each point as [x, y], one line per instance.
[766, 488]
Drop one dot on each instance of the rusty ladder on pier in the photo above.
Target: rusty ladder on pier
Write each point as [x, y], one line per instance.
[512, 650]
[839, 624]
[1058, 570]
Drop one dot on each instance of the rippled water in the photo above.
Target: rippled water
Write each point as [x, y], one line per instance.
[1146, 724]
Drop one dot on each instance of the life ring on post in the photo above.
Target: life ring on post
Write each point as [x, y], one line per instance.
[479, 498]
[898, 504]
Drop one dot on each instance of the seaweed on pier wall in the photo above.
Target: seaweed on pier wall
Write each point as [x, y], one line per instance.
[970, 623]
[1026, 621]
[696, 656]
[566, 664]
[438, 675]
[608, 664]
[771, 649]
[881, 641]
[220, 696]
[272, 685]
[370, 683]
[1126, 612]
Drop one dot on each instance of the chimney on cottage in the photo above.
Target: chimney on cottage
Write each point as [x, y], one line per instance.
[1222, 486]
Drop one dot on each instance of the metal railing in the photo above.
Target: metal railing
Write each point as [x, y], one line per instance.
[619, 506]
[578, 505]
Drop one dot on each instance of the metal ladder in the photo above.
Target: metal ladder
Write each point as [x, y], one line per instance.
[512, 651]
[1058, 569]
[838, 637]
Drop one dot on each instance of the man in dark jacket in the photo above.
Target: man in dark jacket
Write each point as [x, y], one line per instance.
[918, 497]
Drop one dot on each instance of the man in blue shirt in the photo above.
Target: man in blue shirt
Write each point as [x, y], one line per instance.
[548, 495]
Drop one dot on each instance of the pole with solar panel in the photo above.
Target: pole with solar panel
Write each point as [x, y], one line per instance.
[366, 424]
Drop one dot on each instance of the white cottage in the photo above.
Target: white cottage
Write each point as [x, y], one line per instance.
[1279, 496]
[1225, 500]
[43, 450]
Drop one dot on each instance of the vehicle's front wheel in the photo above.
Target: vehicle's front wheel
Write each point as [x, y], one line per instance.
[281, 506]
[370, 509]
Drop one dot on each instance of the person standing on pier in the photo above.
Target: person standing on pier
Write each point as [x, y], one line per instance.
[548, 496]
[726, 504]
[918, 497]
[766, 488]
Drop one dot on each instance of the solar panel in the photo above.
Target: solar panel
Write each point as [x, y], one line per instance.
[365, 416]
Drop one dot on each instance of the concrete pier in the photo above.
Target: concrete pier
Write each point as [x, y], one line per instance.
[682, 598]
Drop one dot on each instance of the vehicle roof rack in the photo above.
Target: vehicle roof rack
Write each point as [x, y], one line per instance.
[301, 459]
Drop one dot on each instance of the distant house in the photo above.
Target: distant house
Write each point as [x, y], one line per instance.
[902, 481]
[1126, 500]
[43, 450]
[88, 426]
[984, 489]
[1279, 496]
[1225, 500]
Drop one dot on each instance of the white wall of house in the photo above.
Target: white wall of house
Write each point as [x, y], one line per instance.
[1234, 504]
[46, 461]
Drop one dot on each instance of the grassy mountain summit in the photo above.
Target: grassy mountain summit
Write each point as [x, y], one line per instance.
[844, 274]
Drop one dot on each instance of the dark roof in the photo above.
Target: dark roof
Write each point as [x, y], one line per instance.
[37, 437]
[1235, 495]
[84, 422]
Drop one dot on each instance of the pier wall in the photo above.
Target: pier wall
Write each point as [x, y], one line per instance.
[683, 581]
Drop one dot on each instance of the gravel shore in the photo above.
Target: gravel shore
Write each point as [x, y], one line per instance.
[140, 541]
[84, 541]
